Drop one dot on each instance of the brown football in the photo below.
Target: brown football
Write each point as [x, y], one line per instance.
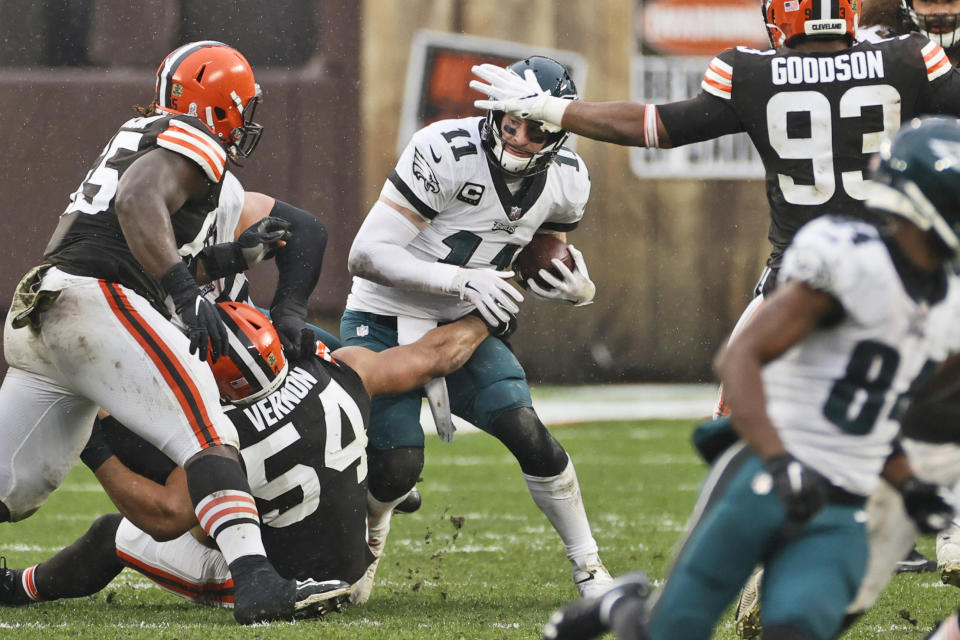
[538, 255]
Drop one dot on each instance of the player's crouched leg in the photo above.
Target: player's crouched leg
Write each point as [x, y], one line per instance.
[491, 392]
[81, 569]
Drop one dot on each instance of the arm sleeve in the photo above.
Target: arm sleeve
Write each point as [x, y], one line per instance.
[299, 261]
[379, 253]
[710, 114]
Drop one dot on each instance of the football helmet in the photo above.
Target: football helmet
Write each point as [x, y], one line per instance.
[214, 83]
[254, 365]
[942, 28]
[788, 19]
[552, 77]
[917, 176]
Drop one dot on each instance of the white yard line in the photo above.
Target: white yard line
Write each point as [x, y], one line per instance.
[567, 405]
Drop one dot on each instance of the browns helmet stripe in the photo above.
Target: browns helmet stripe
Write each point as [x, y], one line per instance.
[246, 355]
[170, 64]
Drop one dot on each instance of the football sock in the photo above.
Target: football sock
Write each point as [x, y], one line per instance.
[224, 507]
[559, 499]
[379, 514]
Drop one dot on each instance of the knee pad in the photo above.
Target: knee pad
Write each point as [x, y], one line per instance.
[537, 451]
[393, 473]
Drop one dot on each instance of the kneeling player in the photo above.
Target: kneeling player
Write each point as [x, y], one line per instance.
[302, 429]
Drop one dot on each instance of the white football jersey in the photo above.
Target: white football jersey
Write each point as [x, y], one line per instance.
[229, 207]
[836, 397]
[474, 219]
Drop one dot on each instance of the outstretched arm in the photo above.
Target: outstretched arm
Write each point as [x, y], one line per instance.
[623, 122]
[438, 353]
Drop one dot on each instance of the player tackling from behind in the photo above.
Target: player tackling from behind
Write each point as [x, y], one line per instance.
[862, 317]
[302, 430]
[465, 197]
[112, 317]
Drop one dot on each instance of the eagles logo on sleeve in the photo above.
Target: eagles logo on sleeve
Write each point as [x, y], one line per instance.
[423, 172]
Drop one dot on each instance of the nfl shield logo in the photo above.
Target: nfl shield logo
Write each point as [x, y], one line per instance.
[515, 213]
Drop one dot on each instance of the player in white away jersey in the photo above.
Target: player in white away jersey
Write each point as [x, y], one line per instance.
[861, 318]
[465, 197]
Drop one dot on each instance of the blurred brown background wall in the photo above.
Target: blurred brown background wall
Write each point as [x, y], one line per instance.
[674, 261]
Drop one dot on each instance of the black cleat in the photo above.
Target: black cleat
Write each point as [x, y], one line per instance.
[317, 599]
[409, 504]
[916, 562]
[11, 593]
[591, 617]
[263, 595]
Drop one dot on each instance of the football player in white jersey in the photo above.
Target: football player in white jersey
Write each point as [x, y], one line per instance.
[862, 317]
[466, 195]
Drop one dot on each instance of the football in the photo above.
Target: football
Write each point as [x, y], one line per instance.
[538, 255]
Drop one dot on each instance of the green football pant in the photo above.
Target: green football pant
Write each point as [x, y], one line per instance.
[811, 572]
[490, 383]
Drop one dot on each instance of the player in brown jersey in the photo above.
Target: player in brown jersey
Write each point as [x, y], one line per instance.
[302, 428]
[100, 322]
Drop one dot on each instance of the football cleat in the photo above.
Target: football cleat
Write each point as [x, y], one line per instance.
[410, 503]
[916, 562]
[746, 620]
[591, 617]
[948, 556]
[316, 599]
[11, 590]
[591, 577]
[264, 596]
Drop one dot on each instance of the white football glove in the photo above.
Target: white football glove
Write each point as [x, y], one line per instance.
[576, 287]
[523, 97]
[494, 298]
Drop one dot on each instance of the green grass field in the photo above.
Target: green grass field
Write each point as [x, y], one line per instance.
[477, 561]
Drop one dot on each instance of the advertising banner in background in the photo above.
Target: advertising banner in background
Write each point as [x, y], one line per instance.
[675, 40]
[438, 76]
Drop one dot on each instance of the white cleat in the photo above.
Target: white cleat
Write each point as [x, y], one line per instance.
[948, 556]
[591, 577]
[746, 620]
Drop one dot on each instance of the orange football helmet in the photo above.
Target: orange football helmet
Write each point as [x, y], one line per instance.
[789, 19]
[214, 83]
[254, 365]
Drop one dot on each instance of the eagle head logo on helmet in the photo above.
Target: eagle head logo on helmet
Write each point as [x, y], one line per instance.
[254, 365]
[552, 77]
[788, 20]
[214, 83]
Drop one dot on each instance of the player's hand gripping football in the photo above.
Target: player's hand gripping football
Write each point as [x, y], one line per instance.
[522, 97]
[261, 239]
[802, 490]
[489, 290]
[575, 286]
[927, 504]
[204, 326]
